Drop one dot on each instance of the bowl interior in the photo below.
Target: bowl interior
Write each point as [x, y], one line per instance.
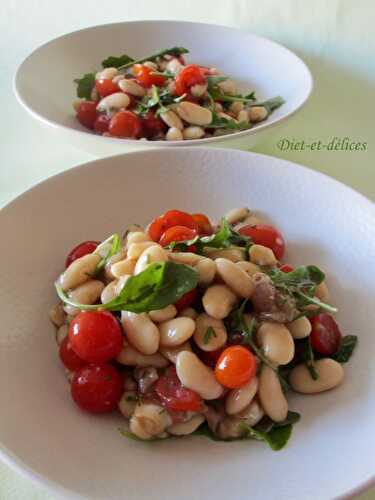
[44, 82]
[43, 432]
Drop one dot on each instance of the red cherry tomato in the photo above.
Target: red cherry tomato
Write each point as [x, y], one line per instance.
[174, 396]
[235, 367]
[97, 388]
[189, 76]
[101, 124]
[286, 268]
[95, 336]
[80, 250]
[204, 224]
[105, 87]
[177, 233]
[125, 124]
[69, 358]
[325, 335]
[268, 236]
[152, 126]
[86, 113]
[171, 218]
[187, 300]
[145, 77]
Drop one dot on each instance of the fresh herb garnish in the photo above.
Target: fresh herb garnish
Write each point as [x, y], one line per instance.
[270, 104]
[218, 95]
[117, 61]
[347, 346]
[160, 284]
[212, 81]
[310, 360]
[174, 51]
[210, 332]
[85, 85]
[221, 122]
[115, 242]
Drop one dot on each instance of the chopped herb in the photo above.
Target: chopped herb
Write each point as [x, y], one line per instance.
[210, 332]
[310, 360]
[116, 62]
[85, 85]
[347, 346]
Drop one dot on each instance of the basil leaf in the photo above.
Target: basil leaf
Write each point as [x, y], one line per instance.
[347, 346]
[218, 95]
[117, 61]
[225, 237]
[276, 438]
[302, 276]
[266, 424]
[85, 85]
[270, 104]
[174, 51]
[210, 332]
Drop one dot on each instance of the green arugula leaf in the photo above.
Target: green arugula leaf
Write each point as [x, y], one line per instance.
[219, 95]
[347, 346]
[85, 85]
[115, 242]
[117, 61]
[276, 438]
[174, 51]
[266, 424]
[210, 332]
[310, 360]
[251, 96]
[220, 122]
[212, 81]
[270, 104]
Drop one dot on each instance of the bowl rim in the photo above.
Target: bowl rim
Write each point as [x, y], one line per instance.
[154, 144]
[53, 487]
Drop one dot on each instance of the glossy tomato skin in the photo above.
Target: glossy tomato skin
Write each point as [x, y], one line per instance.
[69, 358]
[97, 388]
[286, 268]
[80, 250]
[325, 334]
[204, 224]
[171, 218]
[125, 124]
[86, 113]
[152, 126]
[95, 336]
[189, 76]
[266, 235]
[187, 300]
[173, 395]
[144, 76]
[105, 87]
[235, 366]
[177, 233]
[101, 124]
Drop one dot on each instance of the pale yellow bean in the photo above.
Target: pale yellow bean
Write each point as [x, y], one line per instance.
[212, 339]
[131, 87]
[228, 86]
[171, 353]
[79, 271]
[235, 277]
[164, 314]
[88, 293]
[57, 314]
[136, 249]
[252, 414]
[271, 395]
[189, 312]
[300, 328]
[236, 107]
[149, 420]
[199, 89]
[196, 376]
[123, 267]
[321, 291]
[277, 342]
[136, 237]
[193, 132]
[240, 398]
[61, 333]
[128, 403]
[112, 260]
[174, 66]
[185, 428]
[230, 427]
[207, 270]
[131, 357]
[249, 267]
[152, 254]
[262, 256]
[188, 258]
[193, 113]
[115, 101]
[174, 134]
[235, 254]
[330, 374]
[140, 332]
[243, 116]
[257, 114]
[237, 215]
[218, 301]
[109, 292]
[107, 74]
[172, 119]
[176, 331]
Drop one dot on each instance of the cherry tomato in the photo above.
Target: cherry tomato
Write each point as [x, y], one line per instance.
[69, 358]
[204, 224]
[80, 250]
[101, 124]
[174, 395]
[152, 126]
[187, 300]
[177, 233]
[125, 124]
[189, 76]
[171, 218]
[86, 113]
[145, 77]
[286, 268]
[97, 388]
[235, 367]
[95, 336]
[325, 335]
[105, 87]
[268, 236]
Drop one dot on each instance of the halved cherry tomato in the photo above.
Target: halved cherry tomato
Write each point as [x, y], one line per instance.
[86, 113]
[204, 224]
[80, 250]
[69, 358]
[325, 335]
[268, 236]
[152, 126]
[177, 233]
[95, 336]
[171, 218]
[97, 388]
[144, 76]
[189, 76]
[235, 367]
[125, 124]
[101, 124]
[174, 396]
[286, 268]
[105, 87]
[187, 300]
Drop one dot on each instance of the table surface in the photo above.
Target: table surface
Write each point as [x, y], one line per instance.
[334, 38]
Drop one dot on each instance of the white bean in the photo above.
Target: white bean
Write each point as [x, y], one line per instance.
[87, 293]
[149, 420]
[155, 253]
[141, 332]
[164, 314]
[262, 256]
[193, 132]
[135, 249]
[199, 89]
[131, 357]
[174, 134]
[213, 339]
[107, 74]
[188, 258]
[252, 414]
[62, 333]
[185, 428]
[271, 395]
[257, 114]
[236, 107]
[57, 314]
[189, 312]
[228, 86]
[206, 269]
[151, 65]
[116, 101]
[196, 376]
[172, 119]
[230, 427]
[131, 87]
[176, 331]
[128, 403]
[79, 271]
[218, 301]
[123, 267]
[330, 374]
[136, 237]
[240, 398]
[109, 292]
[171, 353]
[112, 260]
[249, 267]
[300, 328]
[321, 291]
[193, 113]
[120, 283]
[174, 66]
[236, 278]
[243, 116]
[277, 342]
[235, 254]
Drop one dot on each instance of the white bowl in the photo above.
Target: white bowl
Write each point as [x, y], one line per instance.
[44, 81]
[42, 432]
